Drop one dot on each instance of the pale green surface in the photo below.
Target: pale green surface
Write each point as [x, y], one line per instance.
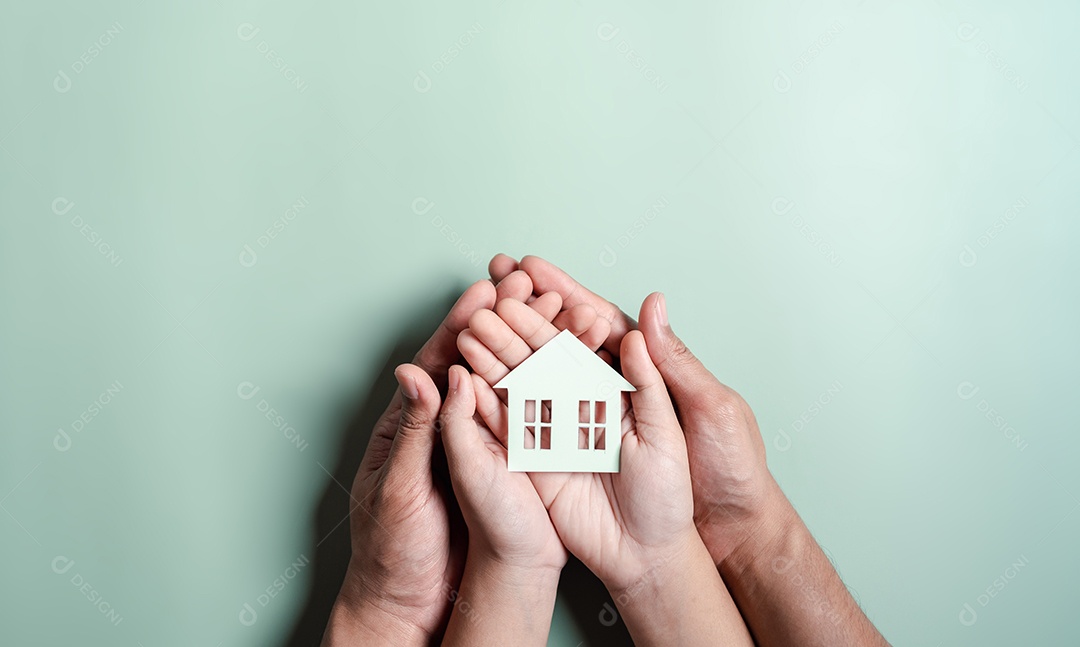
[899, 143]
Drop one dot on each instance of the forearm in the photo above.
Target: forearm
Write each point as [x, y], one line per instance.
[681, 600]
[501, 604]
[787, 588]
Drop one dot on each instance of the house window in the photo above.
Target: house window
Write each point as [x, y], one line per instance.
[592, 424]
[541, 423]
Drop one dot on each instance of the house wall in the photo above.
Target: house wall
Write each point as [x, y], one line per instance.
[564, 455]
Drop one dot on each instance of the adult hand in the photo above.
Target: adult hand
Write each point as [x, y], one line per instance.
[403, 568]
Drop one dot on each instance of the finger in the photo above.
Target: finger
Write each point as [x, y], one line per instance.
[500, 266]
[441, 350]
[526, 324]
[585, 323]
[685, 375]
[547, 305]
[654, 417]
[491, 409]
[546, 277]
[597, 333]
[483, 362]
[415, 437]
[577, 319]
[460, 436]
[516, 285]
[496, 333]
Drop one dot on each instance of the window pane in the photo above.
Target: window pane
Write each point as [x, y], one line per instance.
[545, 411]
[530, 437]
[599, 438]
[583, 411]
[530, 411]
[583, 438]
[545, 437]
[601, 413]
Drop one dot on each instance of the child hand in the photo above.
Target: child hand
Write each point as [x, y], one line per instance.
[507, 520]
[515, 556]
[622, 526]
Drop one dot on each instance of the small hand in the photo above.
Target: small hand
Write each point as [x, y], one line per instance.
[620, 525]
[736, 499]
[507, 519]
[515, 556]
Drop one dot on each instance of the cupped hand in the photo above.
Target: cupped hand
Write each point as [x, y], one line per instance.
[403, 563]
[619, 525]
[736, 499]
[507, 519]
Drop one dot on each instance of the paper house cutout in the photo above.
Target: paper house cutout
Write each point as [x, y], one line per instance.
[564, 410]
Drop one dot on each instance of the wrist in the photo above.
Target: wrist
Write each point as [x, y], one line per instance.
[659, 571]
[775, 519]
[359, 615]
[680, 600]
[495, 571]
[502, 602]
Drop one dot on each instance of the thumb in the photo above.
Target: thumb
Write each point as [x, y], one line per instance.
[654, 418]
[415, 438]
[460, 437]
[685, 375]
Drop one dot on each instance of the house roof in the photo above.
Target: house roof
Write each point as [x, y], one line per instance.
[567, 362]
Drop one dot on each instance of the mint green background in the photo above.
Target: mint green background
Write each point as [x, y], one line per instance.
[896, 141]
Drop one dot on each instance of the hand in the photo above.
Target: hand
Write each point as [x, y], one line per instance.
[506, 518]
[403, 566]
[736, 499]
[764, 551]
[620, 525]
[515, 556]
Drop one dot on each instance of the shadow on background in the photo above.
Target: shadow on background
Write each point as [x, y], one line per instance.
[579, 589]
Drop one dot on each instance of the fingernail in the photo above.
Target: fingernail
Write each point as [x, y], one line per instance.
[661, 310]
[453, 378]
[408, 386]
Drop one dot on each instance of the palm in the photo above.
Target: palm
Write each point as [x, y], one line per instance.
[509, 514]
[606, 519]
